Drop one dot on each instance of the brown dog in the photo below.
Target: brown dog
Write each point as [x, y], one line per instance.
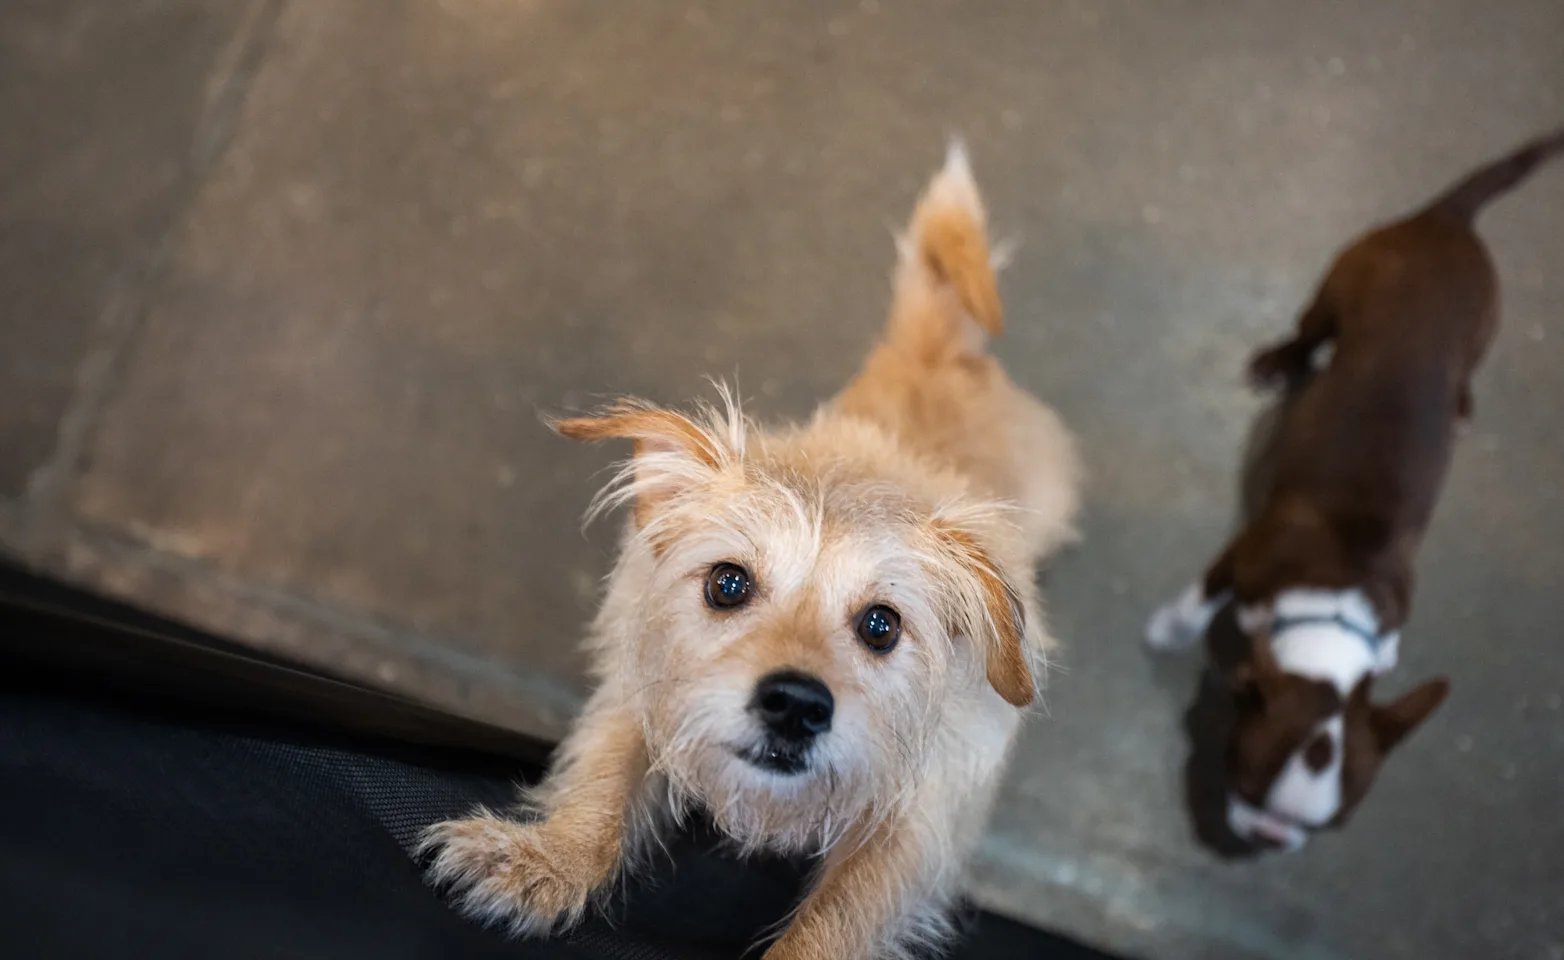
[823, 634]
[1323, 573]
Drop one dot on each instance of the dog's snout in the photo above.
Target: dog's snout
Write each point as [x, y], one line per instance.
[794, 705]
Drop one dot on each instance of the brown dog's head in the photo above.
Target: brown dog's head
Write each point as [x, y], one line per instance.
[799, 619]
[1303, 754]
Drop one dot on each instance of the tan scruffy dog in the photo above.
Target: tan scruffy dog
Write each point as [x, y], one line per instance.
[823, 634]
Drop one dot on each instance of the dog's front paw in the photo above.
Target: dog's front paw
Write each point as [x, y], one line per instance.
[502, 873]
[1168, 629]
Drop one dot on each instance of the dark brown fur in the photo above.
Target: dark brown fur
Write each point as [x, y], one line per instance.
[1411, 309]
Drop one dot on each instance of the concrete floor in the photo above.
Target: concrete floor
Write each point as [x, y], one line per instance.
[284, 283]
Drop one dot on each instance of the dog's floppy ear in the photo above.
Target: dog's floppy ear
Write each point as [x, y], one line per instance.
[670, 450]
[1393, 721]
[1259, 676]
[1002, 629]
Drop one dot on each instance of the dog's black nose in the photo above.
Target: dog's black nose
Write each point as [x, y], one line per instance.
[793, 705]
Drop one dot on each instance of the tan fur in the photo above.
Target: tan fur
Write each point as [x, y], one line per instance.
[651, 429]
[932, 485]
[933, 384]
[1006, 662]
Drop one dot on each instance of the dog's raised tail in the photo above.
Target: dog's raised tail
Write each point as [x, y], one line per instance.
[1464, 200]
[946, 293]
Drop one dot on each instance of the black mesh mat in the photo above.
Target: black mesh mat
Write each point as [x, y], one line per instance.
[190, 842]
[160, 807]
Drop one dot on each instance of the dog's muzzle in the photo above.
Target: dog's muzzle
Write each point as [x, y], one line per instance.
[793, 708]
[1263, 829]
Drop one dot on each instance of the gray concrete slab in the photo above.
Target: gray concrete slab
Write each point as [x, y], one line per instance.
[432, 220]
[100, 104]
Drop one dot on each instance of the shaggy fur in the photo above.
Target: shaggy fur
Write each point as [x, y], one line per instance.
[932, 485]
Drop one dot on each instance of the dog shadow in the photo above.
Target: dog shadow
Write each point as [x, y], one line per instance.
[1208, 720]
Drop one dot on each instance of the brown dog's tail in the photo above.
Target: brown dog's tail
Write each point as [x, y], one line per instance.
[1464, 200]
[946, 298]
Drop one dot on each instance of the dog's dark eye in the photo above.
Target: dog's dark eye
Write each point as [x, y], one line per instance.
[727, 586]
[880, 628]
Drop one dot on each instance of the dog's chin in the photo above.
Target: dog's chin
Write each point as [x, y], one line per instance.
[776, 757]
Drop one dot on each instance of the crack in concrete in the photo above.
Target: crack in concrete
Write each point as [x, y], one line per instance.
[42, 510]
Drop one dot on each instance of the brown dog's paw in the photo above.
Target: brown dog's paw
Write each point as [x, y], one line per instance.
[515, 875]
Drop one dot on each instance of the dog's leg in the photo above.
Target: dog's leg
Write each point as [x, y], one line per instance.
[532, 877]
[1183, 620]
[874, 896]
[1291, 360]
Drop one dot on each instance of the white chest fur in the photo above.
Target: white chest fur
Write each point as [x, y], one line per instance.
[1330, 635]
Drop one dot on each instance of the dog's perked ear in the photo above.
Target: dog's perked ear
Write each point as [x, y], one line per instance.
[1393, 721]
[1001, 629]
[671, 451]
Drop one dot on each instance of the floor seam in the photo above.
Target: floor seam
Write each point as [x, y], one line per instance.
[40, 513]
[95, 546]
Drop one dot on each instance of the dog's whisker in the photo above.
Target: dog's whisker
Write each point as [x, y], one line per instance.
[657, 683]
